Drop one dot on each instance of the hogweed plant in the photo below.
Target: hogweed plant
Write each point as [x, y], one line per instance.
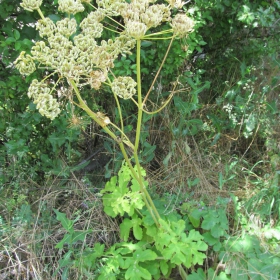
[77, 53]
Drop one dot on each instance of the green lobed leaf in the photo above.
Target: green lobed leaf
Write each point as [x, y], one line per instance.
[198, 258]
[179, 227]
[125, 227]
[198, 275]
[209, 220]
[137, 230]
[208, 237]
[174, 253]
[136, 272]
[143, 256]
[195, 222]
[217, 231]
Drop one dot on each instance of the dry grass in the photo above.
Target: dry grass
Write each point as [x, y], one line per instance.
[27, 249]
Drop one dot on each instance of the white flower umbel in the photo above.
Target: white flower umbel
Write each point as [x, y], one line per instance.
[136, 29]
[111, 7]
[67, 26]
[39, 49]
[122, 44]
[70, 6]
[37, 88]
[124, 87]
[85, 60]
[182, 25]
[178, 4]
[25, 64]
[155, 14]
[31, 5]
[91, 26]
[47, 105]
[46, 27]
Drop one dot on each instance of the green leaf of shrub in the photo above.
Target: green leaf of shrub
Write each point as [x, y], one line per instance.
[66, 223]
[16, 34]
[125, 227]
[136, 272]
[164, 267]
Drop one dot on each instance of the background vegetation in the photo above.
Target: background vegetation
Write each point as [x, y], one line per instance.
[212, 156]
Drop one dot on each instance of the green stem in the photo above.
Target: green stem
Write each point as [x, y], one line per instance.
[84, 106]
[162, 63]
[157, 33]
[123, 136]
[120, 112]
[138, 177]
[182, 272]
[40, 13]
[139, 94]
[138, 132]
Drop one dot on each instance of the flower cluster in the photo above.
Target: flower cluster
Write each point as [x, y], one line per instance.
[178, 4]
[31, 5]
[25, 64]
[111, 7]
[136, 29]
[46, 27]
[232, 116]
[46, 103]
[139, 16]
[91, 24]
[70, 6]
[97, 77]
[67, 27]
[182, 25]
[124, 87]
[122, 44]
[83, 57]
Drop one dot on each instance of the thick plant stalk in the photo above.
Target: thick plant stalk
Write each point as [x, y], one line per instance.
[138, 131]
[146, 197]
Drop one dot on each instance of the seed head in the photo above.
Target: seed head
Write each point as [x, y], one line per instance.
[46, 104]
[31, 5]
[66, 27]
[182, 25]
[124, 87]
[97, 77]
[25, 64]
[136, 29]
[178, 4]
[70, 6]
